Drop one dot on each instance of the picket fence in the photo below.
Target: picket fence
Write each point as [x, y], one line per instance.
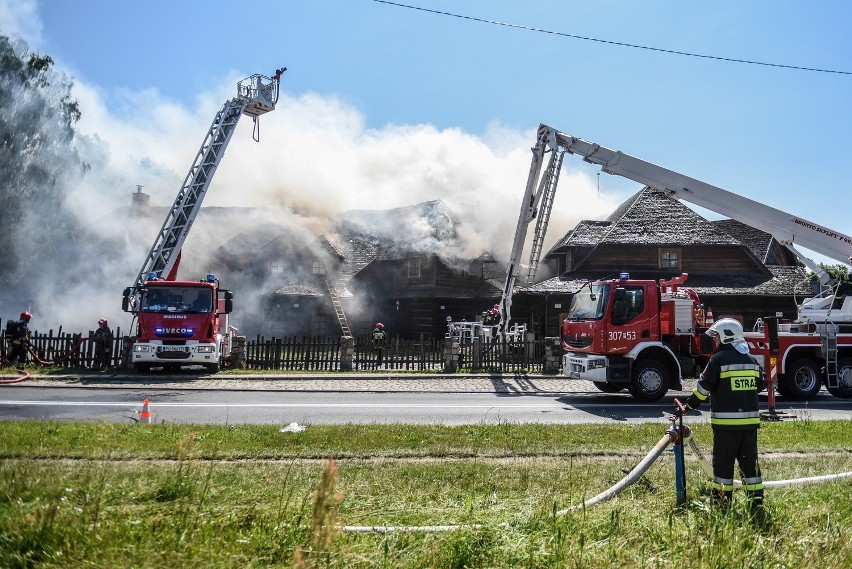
[307, 353]
[66, 350]
[314, 354]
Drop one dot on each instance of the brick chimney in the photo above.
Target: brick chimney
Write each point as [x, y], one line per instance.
[141, 200]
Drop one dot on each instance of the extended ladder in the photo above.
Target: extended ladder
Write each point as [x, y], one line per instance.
[338, 308]
[256, 95]
[549, 182]
[829, 349]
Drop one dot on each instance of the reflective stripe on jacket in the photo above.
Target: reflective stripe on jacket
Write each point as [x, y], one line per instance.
[731, 381]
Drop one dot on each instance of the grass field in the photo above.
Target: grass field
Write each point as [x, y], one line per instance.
[163, 495]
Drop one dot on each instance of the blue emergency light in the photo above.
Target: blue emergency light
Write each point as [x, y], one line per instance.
[152, 276]
[624, 276]
[211, 278]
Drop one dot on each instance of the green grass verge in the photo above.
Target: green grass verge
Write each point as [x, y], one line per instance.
[107, 495]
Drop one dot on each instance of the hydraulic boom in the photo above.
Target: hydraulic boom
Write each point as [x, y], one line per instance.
[256, 95]
[788, 229]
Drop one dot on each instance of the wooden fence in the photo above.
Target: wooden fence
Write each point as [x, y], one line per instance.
[305, 353]
[320, 354]
[67, 350]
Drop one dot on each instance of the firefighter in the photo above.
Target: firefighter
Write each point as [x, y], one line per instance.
[19, 340]
[380, 339]
[699, 316]
[732, 380]
[103, 339]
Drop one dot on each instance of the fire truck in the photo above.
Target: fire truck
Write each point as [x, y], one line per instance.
[186, 322]
[646, 336]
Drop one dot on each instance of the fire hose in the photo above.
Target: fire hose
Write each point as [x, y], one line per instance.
[708, 469]
[26, 375]
[80, 340]
[631, 477]
[670, 437]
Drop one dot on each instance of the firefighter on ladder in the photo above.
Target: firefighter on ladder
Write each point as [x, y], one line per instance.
[731, 380]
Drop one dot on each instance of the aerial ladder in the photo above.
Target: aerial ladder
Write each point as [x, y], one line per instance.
[789, 230]
[829, 312]
[537, 204]
[256, 96]
[186, 322]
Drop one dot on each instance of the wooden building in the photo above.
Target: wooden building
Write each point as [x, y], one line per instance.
[737, 270]
[401, 267]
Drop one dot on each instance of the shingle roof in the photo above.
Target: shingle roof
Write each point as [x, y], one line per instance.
[299, 289]
[782, 281]
[785, 280]
[649, 217]
[756, 240]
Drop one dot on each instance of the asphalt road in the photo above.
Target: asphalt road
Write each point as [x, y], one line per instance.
[363, 400]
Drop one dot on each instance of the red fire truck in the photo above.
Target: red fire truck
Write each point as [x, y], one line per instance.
[186, 322]
[646, 335]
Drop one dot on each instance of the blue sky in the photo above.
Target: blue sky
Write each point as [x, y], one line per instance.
[455, 102]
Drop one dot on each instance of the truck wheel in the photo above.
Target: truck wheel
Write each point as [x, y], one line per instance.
[802, 380]
[844, 376]
[212, 368]
[142, 368]
[608, 387]
[650, 380]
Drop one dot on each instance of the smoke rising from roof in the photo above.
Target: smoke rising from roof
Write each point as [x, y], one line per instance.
[316, 159]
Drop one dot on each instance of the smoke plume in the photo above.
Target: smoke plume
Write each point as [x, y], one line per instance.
[316, 160]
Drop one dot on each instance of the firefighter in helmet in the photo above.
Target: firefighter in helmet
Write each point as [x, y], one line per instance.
[18, 336]
[732, 380]
[103, 340]
[380, 339]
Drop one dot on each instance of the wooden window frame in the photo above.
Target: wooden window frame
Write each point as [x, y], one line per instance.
[277, 267]
[677, 252]
[412, 273]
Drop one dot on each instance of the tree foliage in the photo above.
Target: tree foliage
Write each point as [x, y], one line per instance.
[838, 272]
[37, 155]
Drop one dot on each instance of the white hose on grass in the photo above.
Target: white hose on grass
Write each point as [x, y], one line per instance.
[631, 477]
[708, 469]
[394, 529]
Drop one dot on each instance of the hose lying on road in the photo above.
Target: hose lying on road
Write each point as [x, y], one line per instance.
[25, 375]
[708, 469]
[632, 476]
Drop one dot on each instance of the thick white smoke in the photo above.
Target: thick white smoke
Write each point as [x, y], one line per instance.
[316, 159]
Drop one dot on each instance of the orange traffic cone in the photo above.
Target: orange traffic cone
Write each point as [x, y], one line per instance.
[145, 416]
[708, 320]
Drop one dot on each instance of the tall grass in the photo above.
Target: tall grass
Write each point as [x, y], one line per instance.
[192, 496]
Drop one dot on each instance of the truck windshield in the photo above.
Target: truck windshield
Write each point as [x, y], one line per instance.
[589, 304]
[188, 299]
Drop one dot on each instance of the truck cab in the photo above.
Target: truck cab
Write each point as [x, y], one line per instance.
[633, 334]
[179, 323]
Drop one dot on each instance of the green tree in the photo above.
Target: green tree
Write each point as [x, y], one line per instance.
[839, 272]
[37, 156]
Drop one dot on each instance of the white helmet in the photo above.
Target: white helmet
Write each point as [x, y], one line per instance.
[728, 330]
